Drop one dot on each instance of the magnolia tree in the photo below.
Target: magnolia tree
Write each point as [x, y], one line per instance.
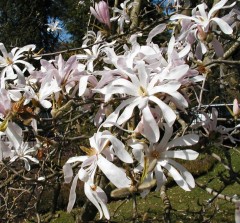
[117, 111]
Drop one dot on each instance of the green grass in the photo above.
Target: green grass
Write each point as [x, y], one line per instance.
[186, 206]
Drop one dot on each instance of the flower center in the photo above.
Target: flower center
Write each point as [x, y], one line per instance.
[93, 187]
[155, 154]
[89, 151]
[142, 91]
[9, 61]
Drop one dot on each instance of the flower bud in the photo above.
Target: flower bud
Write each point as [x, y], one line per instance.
[235, 107]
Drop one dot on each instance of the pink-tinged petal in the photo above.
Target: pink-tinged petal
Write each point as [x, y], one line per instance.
[102, 199]
[14, 134]
[187, 140]
[83, 175]
[150, 127]
[171, 86]
[168, 131]
[83, 85]
[32, 158]
[179, 100]
[214, 118]
[77, 159]
[104, 12]
[13, 159]
[218, 6]
[112, 118]
[67, 172]
[128, 111]
[171, 44]
[202, 7]
[180, 16]
[115, 174]
[184, 172]
[142, 74]
[93, 11]
[185, 51]
[26, 164]
[160, 177]
[176, 176]
[223, 25]
[95, 198]
[177, 72]
[119, 149]
[217, 46]
[187, 154]
[138, 154]
[155, 31]
[167, 112]
[236, 109]
[72, 195]
[24, 49]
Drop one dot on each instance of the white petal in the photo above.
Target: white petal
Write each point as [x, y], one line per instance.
[128, 111]
[77, 159]
[155, 31]
[176, 176]
[83, 85]
[72, 195]
[181, 154]
[67, 172]
[119, 149]
[223, 25]
[150, 127]
[167, 112]
[115, 174]
[160, 177]
[187, 140]
[184, 172]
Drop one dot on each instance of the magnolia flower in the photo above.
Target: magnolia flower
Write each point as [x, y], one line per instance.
[93, 192]
[48, 87]
[9, 62]
[100, 146]
[204, 19]
[20, 148]
[91, 55]
[100, 154]
[142, 90]
[123, 14]
[200, 25]
[160, 156]
[101, 12]
[5, 102]
[216, 133]
[53, 27]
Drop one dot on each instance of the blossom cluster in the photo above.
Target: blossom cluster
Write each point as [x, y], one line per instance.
[141, 91]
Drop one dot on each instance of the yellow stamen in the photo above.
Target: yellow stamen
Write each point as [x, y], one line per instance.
[142, 91]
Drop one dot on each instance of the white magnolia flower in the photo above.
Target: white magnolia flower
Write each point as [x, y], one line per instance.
[143, 91]
[95, 158]
[103, 147]
[9, 62]
[53, 27]
[21, 149]
[161, 156]
[204, 19]
[123, 14]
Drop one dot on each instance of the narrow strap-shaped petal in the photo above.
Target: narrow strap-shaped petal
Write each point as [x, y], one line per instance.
[72, 195]
[187, 140]
[187, 154]
[115, 174]
[150, 127]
